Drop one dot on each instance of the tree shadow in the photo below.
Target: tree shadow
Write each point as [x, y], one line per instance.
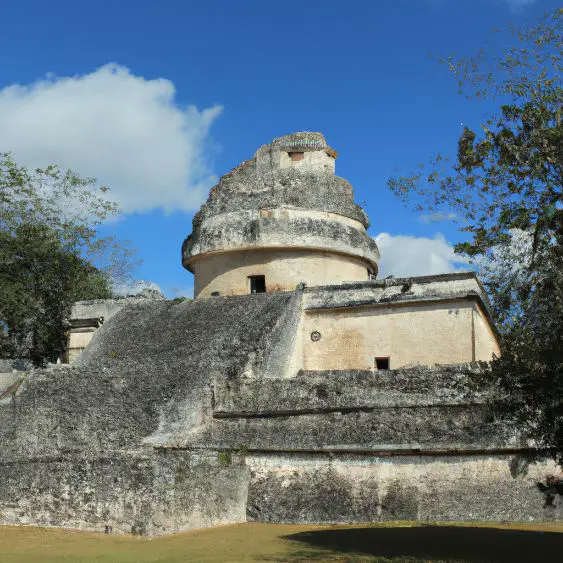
[442, 543]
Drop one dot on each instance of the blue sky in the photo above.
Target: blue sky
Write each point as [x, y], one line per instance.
[158, 99]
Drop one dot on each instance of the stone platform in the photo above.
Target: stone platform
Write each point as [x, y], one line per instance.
[177, 416]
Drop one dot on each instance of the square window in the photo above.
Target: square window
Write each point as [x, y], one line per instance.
[382, 363]
[257, 284]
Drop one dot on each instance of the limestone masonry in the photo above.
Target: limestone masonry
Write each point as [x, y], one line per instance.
[296, 387]
[283, 215]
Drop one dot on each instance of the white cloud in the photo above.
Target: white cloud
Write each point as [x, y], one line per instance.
[510, 259]
[123, 129]
[437, 217]
[403, 256]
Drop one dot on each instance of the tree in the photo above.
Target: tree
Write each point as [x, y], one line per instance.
[506, 189]
[48, 244]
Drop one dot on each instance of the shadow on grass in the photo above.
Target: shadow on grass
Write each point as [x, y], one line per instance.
[434, 543]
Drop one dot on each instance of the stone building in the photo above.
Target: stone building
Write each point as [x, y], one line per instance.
[296, 387]
[283, 220]
[280, 219]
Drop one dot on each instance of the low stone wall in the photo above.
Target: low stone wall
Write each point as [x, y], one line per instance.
[417, 409]
[150, 493]
[422, 429]
[324, 391]
[306, 488]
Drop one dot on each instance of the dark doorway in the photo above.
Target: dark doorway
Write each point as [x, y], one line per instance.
[257, 284]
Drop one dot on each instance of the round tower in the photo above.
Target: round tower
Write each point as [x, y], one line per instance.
[278, 220]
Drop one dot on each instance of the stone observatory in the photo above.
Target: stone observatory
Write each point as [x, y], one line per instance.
[296, 387]
[280, 219]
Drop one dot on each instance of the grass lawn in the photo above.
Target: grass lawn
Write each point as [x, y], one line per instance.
[243, 543]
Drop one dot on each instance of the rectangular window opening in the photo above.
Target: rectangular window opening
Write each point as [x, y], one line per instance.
[382, 363]
[295, 155]
[257, 284]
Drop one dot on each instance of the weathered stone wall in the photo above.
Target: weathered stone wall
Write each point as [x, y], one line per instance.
[325, 391]
[358, 488]
[361, 446]
[411, 410]
[77, 442]
[144, 493]
[280, 228]
[227, 273]
[101, 309]
[396, 290]
[302, 151]
[311, 160]
[411, 321]
[420, 334]
[189, 415]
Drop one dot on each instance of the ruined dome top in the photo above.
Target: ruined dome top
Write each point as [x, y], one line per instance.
[295, 170]
[300, 141]
[287, 195]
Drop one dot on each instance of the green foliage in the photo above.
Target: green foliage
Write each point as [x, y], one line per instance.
[529, 373]
[506, 189]
[242, 449]
[225, 458]
[69, 205]
[48, 242]
[238, 455]
[39, 280]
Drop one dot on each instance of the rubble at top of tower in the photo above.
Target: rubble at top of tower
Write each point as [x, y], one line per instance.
[304, 151]
[302, 141]
[293, 171]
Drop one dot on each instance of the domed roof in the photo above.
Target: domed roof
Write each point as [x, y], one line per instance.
[287, 195]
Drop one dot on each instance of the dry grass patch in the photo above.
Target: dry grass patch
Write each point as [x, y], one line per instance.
[252, 542]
